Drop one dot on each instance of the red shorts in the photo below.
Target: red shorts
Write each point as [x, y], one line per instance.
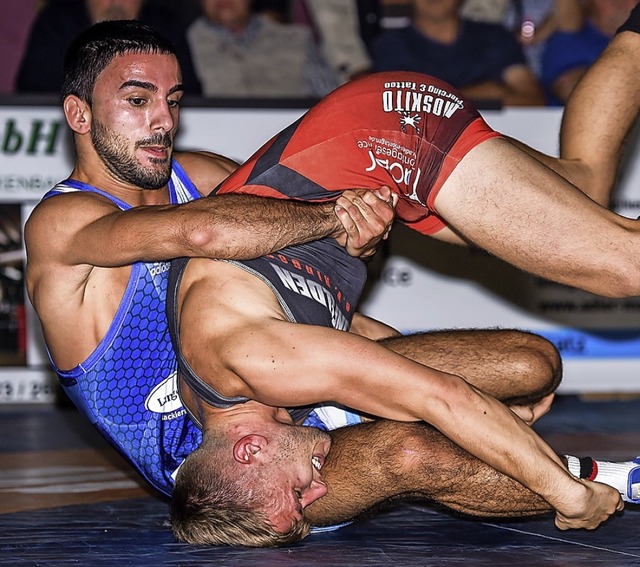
[404, 130]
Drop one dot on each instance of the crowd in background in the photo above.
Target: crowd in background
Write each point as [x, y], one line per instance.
[509, 52]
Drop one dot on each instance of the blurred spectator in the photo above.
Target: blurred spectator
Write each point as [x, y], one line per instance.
[238, 53]
[60, 21]
[481, 59]
[278, 10]
[533, 23]
[14, 32]
[568, 55]
[338, 30]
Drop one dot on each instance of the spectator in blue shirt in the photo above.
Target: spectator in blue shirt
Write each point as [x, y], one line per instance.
[482, 60]
[567, 56]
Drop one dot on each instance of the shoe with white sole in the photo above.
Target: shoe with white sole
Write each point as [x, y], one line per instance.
[633, 484]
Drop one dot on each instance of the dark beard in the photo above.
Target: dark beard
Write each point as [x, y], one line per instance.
[112, 149]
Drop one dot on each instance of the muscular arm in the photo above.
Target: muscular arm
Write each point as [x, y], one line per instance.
[73, 228]
[230, 226]
[272, 361]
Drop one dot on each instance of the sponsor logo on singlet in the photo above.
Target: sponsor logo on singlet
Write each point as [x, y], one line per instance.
[409, 99]
[164, 399]
[159, 268]
[313, 290]
[398, 160]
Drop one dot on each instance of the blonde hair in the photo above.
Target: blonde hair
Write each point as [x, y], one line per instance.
[212, 505]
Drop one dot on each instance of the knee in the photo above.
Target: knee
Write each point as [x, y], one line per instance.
[544, 360]
[540, 365]
[417, 448]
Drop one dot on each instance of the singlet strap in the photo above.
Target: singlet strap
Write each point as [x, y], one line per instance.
[203, 390]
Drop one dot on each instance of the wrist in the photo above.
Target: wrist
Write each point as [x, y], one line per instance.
[570, 496]
[333, 227]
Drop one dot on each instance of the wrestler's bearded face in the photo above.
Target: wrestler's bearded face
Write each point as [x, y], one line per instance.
[114, 151]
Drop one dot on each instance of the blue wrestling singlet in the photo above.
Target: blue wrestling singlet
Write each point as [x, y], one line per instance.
[127, 387]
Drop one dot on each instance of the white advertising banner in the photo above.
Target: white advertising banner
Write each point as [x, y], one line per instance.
[36, 147]
[417, 283]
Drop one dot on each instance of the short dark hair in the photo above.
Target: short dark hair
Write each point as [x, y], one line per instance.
[95, 48]
[210, 507]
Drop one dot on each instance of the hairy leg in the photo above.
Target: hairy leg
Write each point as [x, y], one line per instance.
[381, 460]
[374, 462]
[511, 205]
[515, 367]
[598, 116]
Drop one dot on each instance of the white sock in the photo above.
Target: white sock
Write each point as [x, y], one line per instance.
[615, 475]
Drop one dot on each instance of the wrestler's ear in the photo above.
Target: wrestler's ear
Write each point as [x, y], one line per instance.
[78, 114]
[249, 449]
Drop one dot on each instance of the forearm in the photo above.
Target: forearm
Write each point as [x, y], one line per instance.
[492, 433]
[244, 226]
[359, 219]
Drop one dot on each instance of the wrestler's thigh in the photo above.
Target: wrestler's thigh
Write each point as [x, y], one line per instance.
[381, 459]
[510, 204]
[508, 364]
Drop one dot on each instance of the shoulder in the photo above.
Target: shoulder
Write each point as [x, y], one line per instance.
[55, 221]
[73, 203]
[200, 28]
[206, 169]
[63, 207]
[290, 32]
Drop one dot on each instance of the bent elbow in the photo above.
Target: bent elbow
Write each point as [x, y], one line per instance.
[207, 242]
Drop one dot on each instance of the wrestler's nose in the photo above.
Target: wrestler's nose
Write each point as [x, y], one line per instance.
[317, 489]
[163, 118]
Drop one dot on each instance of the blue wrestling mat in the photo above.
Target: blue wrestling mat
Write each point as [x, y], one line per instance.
[131, 532]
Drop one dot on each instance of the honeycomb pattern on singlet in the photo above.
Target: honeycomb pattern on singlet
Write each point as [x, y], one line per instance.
[138, 358]
[140, 349]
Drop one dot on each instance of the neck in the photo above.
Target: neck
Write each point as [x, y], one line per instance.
[240, 417]
[236, 26]
[442, 30]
